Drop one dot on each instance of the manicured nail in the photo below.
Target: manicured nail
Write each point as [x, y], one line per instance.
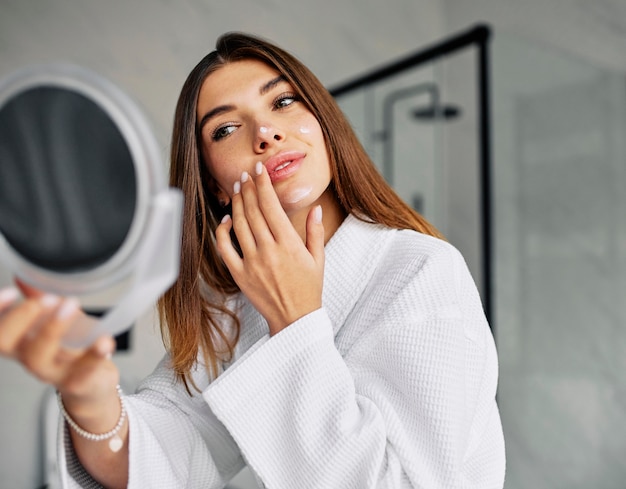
[244, 177]
[258, 169]
[225, 219]
[317, 214]
[8, 295]
[236, 187]
[68, 308]
[49, 301]
[105, 348]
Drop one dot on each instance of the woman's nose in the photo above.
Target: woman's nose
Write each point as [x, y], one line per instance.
[267, 135]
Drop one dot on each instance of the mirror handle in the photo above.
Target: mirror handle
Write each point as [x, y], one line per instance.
[156, 270]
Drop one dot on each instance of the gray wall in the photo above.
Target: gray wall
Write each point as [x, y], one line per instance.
[595, 31]
[559, 179]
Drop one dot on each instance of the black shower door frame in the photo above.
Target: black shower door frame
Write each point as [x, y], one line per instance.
[478, 37]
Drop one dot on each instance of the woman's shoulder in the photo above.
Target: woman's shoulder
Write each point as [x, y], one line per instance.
[425, 243]
[413, 249]
[381, 264]
[420, 265]
[390, 250]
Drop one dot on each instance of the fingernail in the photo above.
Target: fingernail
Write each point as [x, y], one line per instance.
[258, 169]
[68, 308]
[49, 301]
[105, 348]
[244, 177]
[317, 214]
[225, 219]
[104, 352]
[236, 187]
[8, 295]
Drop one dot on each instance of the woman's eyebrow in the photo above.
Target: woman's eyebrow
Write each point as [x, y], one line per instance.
[271, 84]
[266, 87]
[213, 113]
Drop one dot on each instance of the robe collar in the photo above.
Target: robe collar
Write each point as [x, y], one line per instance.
[352, 255]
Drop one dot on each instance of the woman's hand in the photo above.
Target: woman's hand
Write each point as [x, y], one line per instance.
[280, 275]
[31, 332]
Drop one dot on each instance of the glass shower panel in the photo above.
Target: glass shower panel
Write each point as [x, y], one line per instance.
[420, 128]
[560, 266]
[404, 150]
[459, 141]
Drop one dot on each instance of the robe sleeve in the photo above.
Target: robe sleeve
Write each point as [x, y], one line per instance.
[402, 395]
[174, 441]
[410, 404]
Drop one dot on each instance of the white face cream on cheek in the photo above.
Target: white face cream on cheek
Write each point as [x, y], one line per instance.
[305, 130]
[296, 195]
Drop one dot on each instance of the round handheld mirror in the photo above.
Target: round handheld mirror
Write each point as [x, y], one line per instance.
[84, 201]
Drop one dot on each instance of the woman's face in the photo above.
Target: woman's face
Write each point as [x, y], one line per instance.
[248, 113]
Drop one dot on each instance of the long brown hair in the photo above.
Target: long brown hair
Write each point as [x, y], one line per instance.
[193, 311]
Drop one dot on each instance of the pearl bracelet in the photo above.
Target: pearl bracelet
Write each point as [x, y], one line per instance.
[115, 443]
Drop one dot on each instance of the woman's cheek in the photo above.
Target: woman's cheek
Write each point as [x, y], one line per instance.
[226, 181]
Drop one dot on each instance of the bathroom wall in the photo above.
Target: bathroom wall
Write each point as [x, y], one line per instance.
[595, 31]
[559, 120]
[147, 47]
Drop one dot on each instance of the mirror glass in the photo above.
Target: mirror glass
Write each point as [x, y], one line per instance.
[67, 180]
[84, 201]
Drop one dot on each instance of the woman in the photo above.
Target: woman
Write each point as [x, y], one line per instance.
[320, 331]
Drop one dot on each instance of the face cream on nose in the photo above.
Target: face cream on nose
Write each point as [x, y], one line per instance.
[263, 129]
[297, 194]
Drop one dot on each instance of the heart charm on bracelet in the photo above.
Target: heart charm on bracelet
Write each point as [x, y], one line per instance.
[115, 443]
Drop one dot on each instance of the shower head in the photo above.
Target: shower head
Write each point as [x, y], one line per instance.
[440, 112]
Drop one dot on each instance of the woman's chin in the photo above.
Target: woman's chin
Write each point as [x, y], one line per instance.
[296, 195]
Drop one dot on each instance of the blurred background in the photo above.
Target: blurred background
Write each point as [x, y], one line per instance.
[506, 127]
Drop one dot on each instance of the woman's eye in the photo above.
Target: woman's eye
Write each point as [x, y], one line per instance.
[285, 100]
[222, 131]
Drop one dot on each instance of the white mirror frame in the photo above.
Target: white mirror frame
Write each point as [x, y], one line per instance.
[150, 254]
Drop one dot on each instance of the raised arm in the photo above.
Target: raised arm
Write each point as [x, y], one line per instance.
[397, 390]
[31, 333]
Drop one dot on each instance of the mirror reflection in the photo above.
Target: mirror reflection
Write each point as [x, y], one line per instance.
[67, 180]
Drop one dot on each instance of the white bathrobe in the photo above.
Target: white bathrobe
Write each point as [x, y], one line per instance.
[391, 384]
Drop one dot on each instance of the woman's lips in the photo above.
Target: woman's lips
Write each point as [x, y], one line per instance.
[283, 165]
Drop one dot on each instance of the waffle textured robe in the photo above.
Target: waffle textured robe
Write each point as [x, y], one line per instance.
[391, 384]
